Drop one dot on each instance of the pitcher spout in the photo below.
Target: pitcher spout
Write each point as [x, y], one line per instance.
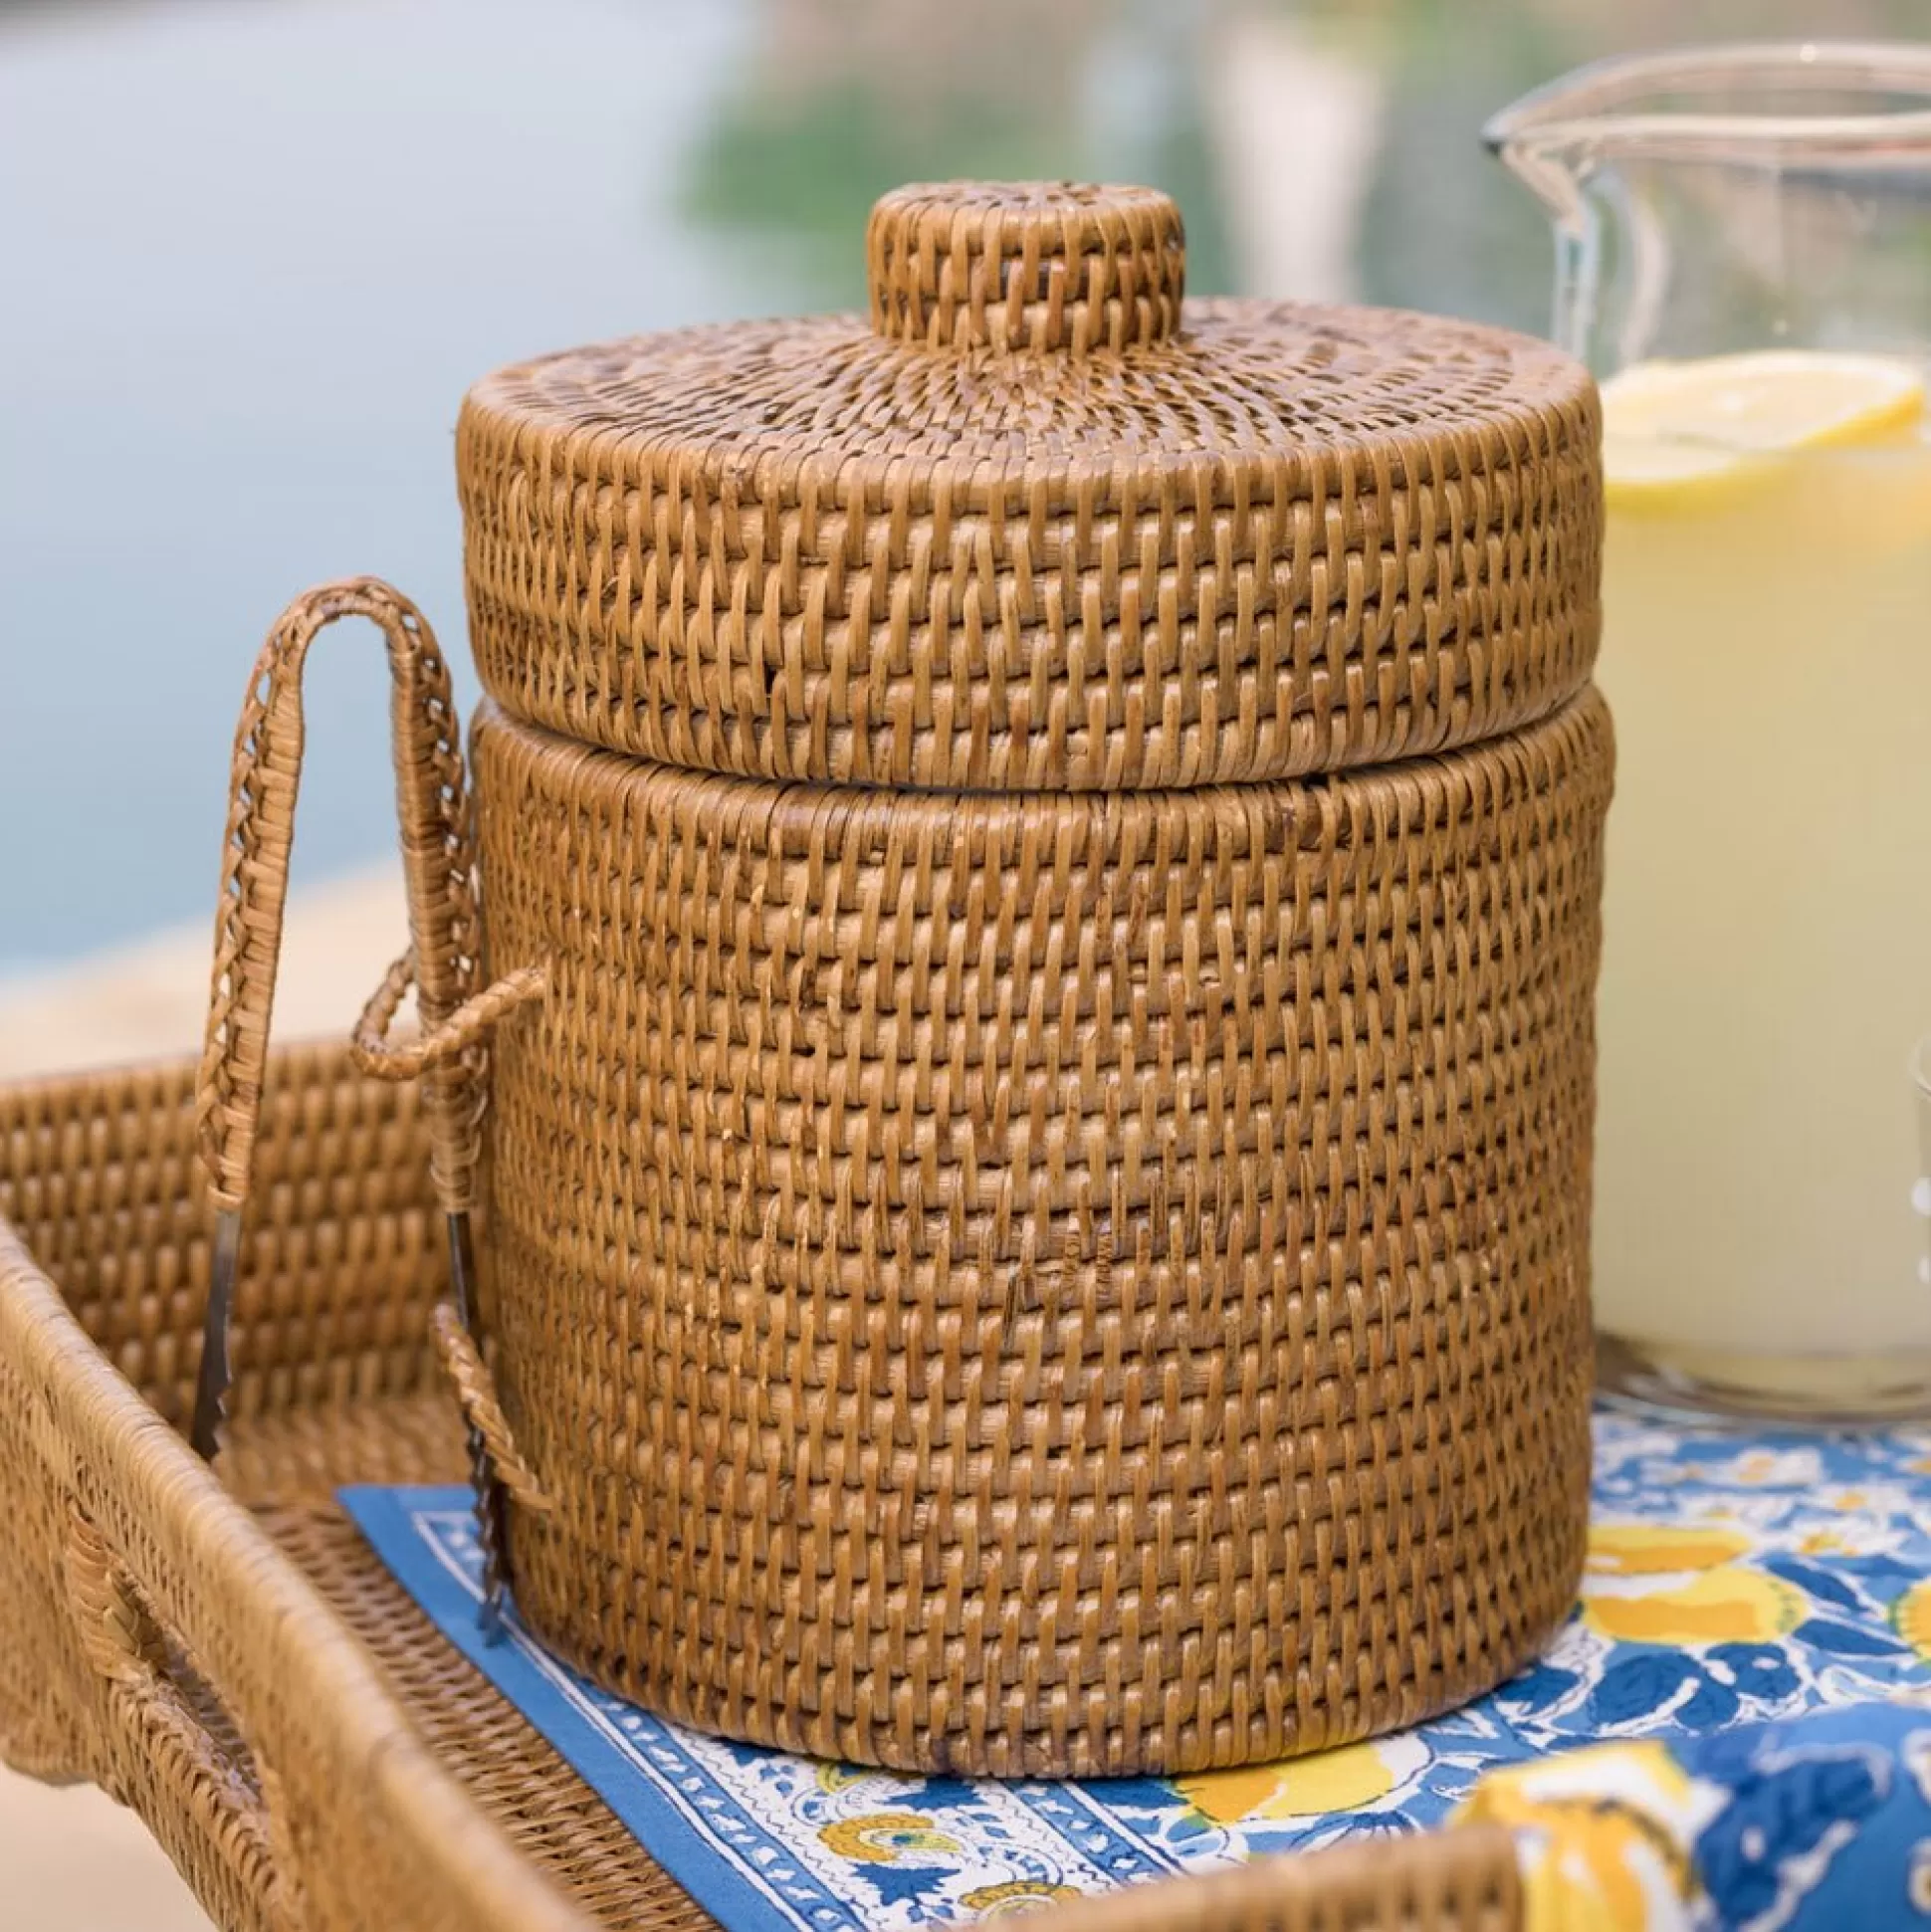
[1702, 191]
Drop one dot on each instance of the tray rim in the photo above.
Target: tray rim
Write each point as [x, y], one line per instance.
[143, 1484]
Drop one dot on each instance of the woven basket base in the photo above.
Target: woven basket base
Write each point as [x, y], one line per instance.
[289, 1468]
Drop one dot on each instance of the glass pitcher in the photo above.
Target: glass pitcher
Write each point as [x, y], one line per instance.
[1743, 239]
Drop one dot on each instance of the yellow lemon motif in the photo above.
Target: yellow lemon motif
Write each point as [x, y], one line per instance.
[1730, 1604]
[1655, 1549]
[837, 1777]
[1825, 1543]
[1597, 1831]
[1015, 1896]
[1341, 1779]
[885, 1838]
[1639, 1776]
[1911, 1616]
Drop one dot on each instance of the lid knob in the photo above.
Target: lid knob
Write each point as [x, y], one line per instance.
[1025, 264]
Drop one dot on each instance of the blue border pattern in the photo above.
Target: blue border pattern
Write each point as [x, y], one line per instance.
[744, 1830]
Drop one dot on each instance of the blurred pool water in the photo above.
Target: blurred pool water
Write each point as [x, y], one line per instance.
[256, 249]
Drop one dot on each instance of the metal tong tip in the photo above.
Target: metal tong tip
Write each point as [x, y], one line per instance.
[211, 1383]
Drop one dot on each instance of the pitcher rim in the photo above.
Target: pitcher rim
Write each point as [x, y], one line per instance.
[1599, 104]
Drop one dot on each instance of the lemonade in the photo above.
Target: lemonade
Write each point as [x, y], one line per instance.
[1760, 1226]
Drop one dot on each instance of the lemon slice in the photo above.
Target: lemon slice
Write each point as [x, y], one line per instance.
[1640, 472]
[1677, 432]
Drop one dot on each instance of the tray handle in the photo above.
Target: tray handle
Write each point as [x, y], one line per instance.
[173, 1719]
[443, 962]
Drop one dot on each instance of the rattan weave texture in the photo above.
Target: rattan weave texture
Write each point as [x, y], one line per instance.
[1036, 524]
[1043, 1285]
[311, 1755]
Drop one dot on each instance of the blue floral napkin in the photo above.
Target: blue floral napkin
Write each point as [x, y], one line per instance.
[1754, 1639]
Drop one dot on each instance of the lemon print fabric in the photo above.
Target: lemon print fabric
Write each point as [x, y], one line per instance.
[1728, 1606]
[1603, 1837]
[1676, 1585]
[1732, 1729]
[1683, 436]
[888, 1839]
[1730, 1583]
[1348, 1779]
[1810, 1826]
[1014, 1895]
[1911, 1618]
[1661, 1548]
[901, 1859]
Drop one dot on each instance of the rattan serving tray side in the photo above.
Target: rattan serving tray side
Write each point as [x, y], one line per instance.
[221, 1651]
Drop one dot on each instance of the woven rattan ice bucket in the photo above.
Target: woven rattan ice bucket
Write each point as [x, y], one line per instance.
[1041, 858]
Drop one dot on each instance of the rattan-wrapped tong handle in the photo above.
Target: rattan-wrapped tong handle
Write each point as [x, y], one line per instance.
[439, 866]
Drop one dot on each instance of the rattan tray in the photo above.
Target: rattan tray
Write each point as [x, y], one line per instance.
[222, 1653]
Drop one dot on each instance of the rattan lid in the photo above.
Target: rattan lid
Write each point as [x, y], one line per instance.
[1037, 522]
